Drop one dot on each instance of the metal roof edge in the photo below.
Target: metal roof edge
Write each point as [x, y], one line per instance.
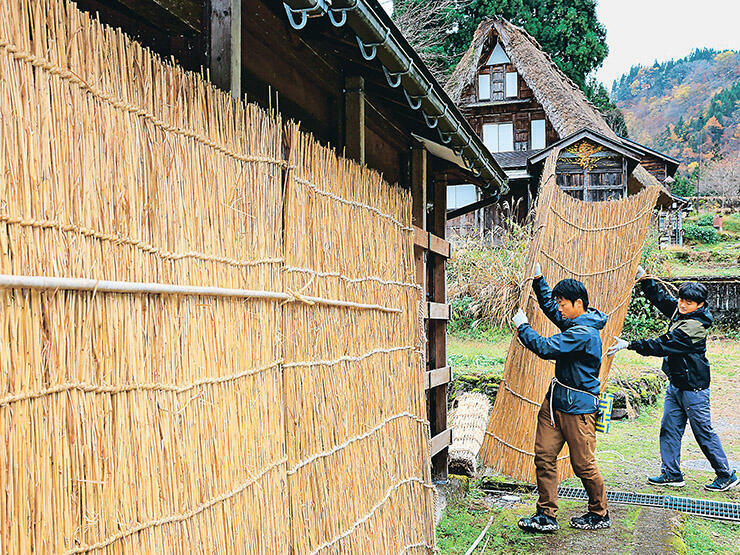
[377, 36]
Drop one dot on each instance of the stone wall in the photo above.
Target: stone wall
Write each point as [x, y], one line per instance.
[724, 297]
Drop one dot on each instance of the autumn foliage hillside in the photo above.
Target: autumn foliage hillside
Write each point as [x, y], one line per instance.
[687, 108]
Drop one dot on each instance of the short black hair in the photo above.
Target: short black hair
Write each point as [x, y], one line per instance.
[693, 291]
[571, 289]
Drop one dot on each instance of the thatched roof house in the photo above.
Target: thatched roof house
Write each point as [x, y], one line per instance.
[563, 101]
[507, 79]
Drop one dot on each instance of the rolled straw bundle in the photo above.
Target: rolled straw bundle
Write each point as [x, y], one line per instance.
[598, 243]
[468, 421]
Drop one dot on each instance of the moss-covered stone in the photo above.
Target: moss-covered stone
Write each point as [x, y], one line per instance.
[641, 391]
[462, 482]
[486, 383]
[634, 392]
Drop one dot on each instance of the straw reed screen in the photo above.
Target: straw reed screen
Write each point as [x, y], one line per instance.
[280, 410]
[598, 243]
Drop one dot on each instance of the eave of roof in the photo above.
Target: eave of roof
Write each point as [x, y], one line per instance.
[649, 150]
[378, 37]
[514, 159]
[616, 145]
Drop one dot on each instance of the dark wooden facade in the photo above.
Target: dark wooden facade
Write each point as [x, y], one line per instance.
[592, 172]
[658, 167]
[500, 106]
[519, 110]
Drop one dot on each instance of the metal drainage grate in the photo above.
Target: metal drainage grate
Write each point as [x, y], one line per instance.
[702, 507]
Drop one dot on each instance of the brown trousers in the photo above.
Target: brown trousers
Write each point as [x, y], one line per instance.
[579, 432]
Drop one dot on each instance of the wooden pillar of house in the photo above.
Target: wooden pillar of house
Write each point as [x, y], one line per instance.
[439, 313]
[430, 253]
[225, 48]
[354, 118]
[419, 212]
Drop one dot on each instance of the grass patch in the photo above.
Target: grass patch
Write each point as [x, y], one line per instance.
[731, 222]
[685, 269]
[710, 536]
[466, 518]
[474, 355]
[629, 521]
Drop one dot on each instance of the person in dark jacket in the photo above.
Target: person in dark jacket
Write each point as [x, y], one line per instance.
[685, 363]
[570, 409]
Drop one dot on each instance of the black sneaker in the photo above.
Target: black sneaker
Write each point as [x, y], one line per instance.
[723, 484]
[540, 523]
[665, 480]
[591, 521]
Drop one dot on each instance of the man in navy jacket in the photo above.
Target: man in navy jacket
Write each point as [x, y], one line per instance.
[570, 409]
[685, 363]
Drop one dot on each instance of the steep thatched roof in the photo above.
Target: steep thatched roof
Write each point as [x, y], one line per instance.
[563, 101]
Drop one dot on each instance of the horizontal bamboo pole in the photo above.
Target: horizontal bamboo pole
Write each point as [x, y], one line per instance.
[108, 286]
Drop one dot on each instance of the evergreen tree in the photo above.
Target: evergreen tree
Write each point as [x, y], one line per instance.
[599, 97]
[566, 29]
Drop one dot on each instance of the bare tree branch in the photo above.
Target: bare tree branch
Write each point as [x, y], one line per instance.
[424, 24]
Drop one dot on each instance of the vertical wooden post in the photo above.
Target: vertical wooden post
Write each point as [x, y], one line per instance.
[624, 177]
[354, 118]
[226, 45]
[438, 328]
[419, 209]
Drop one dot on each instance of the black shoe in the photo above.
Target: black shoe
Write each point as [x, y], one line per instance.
[539, 523]
[665, 480]
[591, 521]
[723, 484]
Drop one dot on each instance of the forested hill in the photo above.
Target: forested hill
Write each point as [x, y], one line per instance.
[687, 108]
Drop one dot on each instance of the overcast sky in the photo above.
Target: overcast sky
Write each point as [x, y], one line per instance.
[641, 31]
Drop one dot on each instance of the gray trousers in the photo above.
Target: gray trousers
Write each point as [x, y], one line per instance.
[693, 406]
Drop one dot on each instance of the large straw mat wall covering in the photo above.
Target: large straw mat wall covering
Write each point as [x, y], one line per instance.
[598, 243]
[189, 423]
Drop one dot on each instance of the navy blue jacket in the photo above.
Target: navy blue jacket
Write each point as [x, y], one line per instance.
[576, 352]
[684, 346]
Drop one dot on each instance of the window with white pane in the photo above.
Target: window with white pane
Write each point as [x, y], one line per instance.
[484, 86]
[461, 195]
[537, 134]
[498, 137]
[512, 84]
[498, 56]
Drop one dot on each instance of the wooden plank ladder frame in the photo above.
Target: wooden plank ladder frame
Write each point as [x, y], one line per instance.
[431, 253]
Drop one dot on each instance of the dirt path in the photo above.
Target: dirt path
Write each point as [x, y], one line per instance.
[627, 456]
[630, 452]
[655, 532]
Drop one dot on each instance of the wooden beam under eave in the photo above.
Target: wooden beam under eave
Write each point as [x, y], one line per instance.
[188, 12]
[354, 118]
[226, 45]
[419, 185]
[437, 332]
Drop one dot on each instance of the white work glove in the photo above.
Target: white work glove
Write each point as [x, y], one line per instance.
[537, 270]
[519, 318]
[619, 344]
[640, 273]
